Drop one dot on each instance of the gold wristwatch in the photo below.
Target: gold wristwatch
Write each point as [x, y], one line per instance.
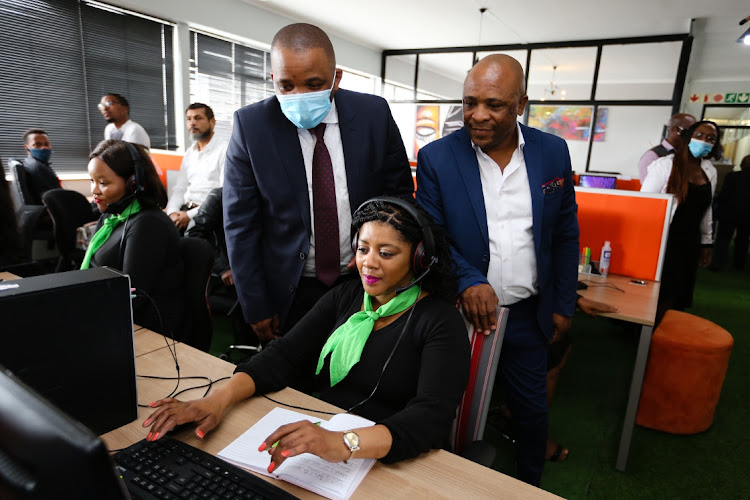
[351, 440]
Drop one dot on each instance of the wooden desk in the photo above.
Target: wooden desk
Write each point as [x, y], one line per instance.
[437, 474]
[636, 304]
[5, 276]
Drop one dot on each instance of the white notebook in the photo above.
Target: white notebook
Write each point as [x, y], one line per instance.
[331, 480]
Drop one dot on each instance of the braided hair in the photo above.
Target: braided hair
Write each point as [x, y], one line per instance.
[441, 280]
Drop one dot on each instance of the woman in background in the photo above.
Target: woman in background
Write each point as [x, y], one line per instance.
[690, 176]
[134, 235]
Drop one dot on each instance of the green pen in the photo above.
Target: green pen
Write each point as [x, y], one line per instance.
[277, 442]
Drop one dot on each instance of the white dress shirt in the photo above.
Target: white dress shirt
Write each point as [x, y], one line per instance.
[656, 182]
[332, 139]
[200, 172]
[507, 201]
[130, 131]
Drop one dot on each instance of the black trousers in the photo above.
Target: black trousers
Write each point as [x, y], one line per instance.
[309, 291]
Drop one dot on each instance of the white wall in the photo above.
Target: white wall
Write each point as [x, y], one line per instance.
[238, 19]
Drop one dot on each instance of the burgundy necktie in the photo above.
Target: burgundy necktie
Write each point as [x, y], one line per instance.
[326, 221]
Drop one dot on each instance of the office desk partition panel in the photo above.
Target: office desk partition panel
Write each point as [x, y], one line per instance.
[636, 224]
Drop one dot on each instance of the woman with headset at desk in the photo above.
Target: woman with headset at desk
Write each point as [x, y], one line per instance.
[134, 235]
[393, 353]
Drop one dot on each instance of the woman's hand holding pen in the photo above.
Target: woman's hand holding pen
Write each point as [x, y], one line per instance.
[304, 437]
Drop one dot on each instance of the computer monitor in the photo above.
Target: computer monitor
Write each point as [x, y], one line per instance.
[597, 181]
[70, 337]
[45, 454]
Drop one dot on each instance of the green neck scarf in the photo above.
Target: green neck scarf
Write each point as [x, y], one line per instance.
[104, 232]
[346, 343]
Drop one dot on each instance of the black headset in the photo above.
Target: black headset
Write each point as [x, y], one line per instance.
[133, 185]
[424, 252]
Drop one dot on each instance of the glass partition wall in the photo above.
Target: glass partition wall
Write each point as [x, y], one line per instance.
[609, 99]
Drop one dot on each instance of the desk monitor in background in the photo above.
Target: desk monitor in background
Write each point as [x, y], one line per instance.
[597, 181]
[45, 454]
[70, 337]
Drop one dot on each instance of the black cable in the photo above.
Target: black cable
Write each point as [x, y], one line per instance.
[301, 407]
[605, 285]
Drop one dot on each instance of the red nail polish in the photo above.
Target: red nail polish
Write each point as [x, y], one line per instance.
[147, 421]
[201, 434]
[156, 436]
[262, 447]
[148, 438]
[285, 453]
[271, 467]
[152, 403]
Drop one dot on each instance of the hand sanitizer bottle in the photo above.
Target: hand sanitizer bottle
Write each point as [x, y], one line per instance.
[604, 259]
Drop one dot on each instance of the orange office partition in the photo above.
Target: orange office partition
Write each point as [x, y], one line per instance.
[165, 160]
[636, 225]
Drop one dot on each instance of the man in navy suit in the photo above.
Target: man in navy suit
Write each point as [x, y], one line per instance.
[298, 165]
[505, 194]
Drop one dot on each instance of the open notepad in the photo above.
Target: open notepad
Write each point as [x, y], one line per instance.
[331, 480]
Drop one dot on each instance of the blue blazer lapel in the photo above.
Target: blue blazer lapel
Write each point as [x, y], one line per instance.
[468, 165]
[354, 149]
[290, 152]
[534, 170]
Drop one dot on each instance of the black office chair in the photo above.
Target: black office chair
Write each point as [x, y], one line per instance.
[69, 210]
[198, 259]
[33, 221]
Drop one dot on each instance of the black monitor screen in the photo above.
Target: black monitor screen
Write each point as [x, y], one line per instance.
[44, 454]
[597, 181]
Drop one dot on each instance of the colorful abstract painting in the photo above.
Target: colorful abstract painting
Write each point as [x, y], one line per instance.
[572, 123]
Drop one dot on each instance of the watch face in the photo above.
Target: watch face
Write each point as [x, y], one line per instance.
[352, 439]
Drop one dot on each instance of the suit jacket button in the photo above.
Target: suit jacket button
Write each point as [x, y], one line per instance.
[302, 256]
[291, 288]
[485, 258]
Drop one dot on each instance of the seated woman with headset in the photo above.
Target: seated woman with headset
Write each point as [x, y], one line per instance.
[134, 235]
[390, 347]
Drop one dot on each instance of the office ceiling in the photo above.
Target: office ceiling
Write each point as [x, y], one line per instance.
[404, 24]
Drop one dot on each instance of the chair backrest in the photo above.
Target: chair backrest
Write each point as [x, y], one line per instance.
[472, 412]
[69, 210]
[198, 259]
[20, 182]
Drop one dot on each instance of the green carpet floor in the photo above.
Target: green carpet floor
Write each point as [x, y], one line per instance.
[586, 415]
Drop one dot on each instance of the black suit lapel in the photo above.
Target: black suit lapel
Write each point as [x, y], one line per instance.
[290, 152]
[354, 150]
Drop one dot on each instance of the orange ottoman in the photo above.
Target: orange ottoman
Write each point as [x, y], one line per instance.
[685, 371]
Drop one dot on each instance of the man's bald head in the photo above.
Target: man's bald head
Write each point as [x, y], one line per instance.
[303, 37]
[678, 123]
[494, 98]
[503, 68]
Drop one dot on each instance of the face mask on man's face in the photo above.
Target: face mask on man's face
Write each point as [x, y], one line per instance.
[306, 110]
[41, 154]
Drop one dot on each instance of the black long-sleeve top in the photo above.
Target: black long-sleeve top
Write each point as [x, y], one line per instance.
[149, 253]
[422, 385]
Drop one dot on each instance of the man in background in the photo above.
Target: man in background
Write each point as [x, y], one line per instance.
[116, 110]
[676, 124]
[202, 166]
[298, 165]
[39, 173]
[733, 215]
[505, 194]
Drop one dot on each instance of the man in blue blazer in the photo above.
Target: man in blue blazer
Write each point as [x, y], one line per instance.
[269, 203]
[505, 194]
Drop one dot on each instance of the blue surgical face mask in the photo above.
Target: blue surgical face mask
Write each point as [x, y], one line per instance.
[306, 110]
[42, 155]
[699, 149]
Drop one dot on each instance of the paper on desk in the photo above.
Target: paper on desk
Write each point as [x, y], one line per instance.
[332, 480]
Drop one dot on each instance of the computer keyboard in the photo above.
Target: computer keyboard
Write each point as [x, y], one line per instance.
[170, 469]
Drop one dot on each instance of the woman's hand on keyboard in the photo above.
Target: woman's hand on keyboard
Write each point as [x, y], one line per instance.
[207, 412]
